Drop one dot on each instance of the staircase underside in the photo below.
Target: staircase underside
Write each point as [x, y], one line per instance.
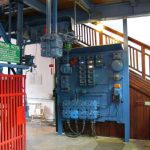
[137, 82]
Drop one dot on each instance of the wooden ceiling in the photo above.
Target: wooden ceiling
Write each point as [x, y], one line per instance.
[64, 4]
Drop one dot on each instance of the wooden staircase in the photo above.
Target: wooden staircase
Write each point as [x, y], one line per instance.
[139, 53]
[140, 84]
[139, 64]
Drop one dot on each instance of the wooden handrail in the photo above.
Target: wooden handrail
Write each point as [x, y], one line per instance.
[137, 57]
[121, 35]
[129, 38]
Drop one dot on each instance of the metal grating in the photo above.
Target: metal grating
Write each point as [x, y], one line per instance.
[12, 112]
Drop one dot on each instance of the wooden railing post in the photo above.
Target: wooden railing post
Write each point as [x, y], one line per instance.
[101, 38]
[143, 62]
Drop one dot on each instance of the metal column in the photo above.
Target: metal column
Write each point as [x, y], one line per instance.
[48, 15]
[127, 96]
[20, 27]
[54, 16]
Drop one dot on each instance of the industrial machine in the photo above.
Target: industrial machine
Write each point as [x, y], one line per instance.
[93, 85]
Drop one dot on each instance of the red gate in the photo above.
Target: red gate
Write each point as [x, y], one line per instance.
[12, 112]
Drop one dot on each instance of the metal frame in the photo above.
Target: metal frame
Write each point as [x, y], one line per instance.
[37, 5]
[97, 12]
[3, 34]
[20, 27]
[126, 80]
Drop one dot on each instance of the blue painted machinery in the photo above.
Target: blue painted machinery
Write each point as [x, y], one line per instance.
[93, 85]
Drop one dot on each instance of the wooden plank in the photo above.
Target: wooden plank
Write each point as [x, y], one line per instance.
[63, 4]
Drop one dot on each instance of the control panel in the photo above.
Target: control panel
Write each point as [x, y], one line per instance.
[93, 84]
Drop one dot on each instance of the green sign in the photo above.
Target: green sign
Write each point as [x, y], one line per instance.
[9, 52]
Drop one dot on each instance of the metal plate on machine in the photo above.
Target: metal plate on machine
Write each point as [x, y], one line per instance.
[9, 52]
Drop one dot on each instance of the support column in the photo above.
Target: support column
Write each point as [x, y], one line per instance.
[9, 28]
[20, 27]
[54, 16]
[125, 31]
[48, 15]
[126, 80]
[59, 117]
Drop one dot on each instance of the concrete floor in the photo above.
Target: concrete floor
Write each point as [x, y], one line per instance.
[43, 137]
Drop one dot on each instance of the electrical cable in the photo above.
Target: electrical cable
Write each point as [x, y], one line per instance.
[93, 128]
[83, 127]
[77, 127]
[70, 128]
[71, 135]
[75, 134]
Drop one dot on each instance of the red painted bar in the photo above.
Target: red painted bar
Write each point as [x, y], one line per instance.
[12, 98]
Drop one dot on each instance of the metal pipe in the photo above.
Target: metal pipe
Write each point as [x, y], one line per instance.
[55, 15]
[20, 28]
[20, 24]
[48, 20]
[9, 19]
[9, 28]
[125, 31]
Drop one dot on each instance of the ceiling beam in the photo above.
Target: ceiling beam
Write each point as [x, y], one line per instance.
[121, 10]
[36, 4]
[133, 2]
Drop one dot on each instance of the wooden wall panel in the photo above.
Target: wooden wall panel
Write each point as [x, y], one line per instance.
[140, 115]
[139, 119]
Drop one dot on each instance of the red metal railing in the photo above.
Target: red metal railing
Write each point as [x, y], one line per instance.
[12, 112]
[139, 53]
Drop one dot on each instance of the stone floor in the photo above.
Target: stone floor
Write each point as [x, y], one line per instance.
[43, 137]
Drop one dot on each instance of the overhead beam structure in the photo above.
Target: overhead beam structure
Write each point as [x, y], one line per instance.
[37, 5]
[122, 10]
[100, 12]
[20, 30]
